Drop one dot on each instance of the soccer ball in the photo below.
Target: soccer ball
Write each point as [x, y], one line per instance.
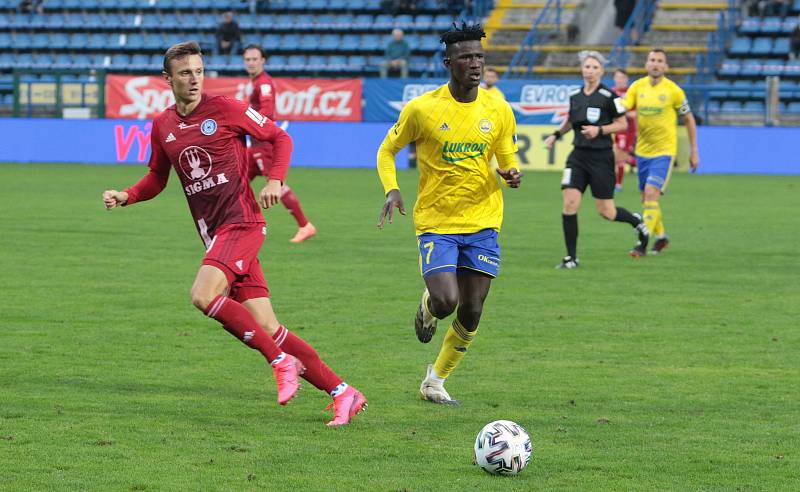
[503, 448]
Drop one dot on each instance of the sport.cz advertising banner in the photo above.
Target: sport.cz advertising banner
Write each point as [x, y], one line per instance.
[296, 99]
[543, 102]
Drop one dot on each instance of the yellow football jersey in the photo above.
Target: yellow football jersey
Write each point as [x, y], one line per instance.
[496, 91]
[656, 108]
[458, 190]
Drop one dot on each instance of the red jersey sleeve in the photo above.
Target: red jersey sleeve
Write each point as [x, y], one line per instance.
[244, 119]
[156, 178]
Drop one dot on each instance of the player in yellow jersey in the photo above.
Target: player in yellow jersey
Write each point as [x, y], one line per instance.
[490, 82]
[458, 128]
[658, 102]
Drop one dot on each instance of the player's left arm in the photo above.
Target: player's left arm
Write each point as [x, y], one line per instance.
[506, 152]
[685, 113]
[247, 121]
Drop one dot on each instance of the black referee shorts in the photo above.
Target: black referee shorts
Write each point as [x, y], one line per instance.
[593, 168]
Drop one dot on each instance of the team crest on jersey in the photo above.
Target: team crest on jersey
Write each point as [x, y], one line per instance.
[485, 125]
[662, 97]
[592, 115]
[208, 127]
[195, 162]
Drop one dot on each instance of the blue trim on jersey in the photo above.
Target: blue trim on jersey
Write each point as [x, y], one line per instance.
[653, 171]
[446, 252]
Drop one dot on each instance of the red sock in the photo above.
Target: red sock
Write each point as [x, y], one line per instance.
[292, 204]
[317, 373]
[238, 321]
[620, 172]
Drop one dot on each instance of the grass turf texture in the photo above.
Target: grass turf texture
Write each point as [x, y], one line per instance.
[676, 372]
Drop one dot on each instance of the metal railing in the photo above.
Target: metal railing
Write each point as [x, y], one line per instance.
[708, 63]
[529, 50]
[639, 22]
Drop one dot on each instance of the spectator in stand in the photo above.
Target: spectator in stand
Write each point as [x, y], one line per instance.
[31, 6]
[624, 11]
[396, 55]
[228, 36]
[777, 8]
[794, 53]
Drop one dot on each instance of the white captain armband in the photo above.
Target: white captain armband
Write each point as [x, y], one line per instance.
[684, 109]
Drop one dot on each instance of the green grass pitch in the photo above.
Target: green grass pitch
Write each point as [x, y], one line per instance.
[677, 372]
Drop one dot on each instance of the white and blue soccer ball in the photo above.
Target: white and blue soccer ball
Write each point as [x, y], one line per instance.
[503, 448]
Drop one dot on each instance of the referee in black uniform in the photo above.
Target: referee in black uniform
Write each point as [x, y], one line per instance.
[595, 113]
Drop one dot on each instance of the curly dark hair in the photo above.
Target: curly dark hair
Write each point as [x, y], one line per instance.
[467, 32]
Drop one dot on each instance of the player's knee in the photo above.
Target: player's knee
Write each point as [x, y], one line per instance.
[443, 304]
[608, 213]
[201, 298]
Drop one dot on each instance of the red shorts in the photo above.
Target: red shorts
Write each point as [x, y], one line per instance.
[625, 141]
[234, 250]
[259, 159]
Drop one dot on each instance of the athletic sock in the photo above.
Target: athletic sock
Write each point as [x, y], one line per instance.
[570, 224]
[339, 389]
[620, 171]
[623, 215]
[317, 372]
[659, 231]
[454, 346]
[652, 215]
[292, 203]
[238, 321]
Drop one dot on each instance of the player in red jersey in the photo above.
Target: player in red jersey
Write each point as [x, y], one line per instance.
[203, 138]
[624, 142]
[262, 99]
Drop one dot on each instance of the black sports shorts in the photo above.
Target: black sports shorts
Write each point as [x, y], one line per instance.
[593, 168]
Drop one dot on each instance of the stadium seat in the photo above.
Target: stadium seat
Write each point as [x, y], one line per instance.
[350, 42]
[6, 41]
[793, 107]
[750, 68]
[301, 5]
[7, 60]
[290, 42]
[731, 107]
[772, 67]
[317, 63]
[761, 46]
[120, 61]
[383, 22]
[140, 62]
[753, 107]
[81, 60]
[741, 46]
[62, 61]
[330, 42]
[310, 42]
[771, 25]
[789, 25]
[356, 62]
[338, 5]
[792, 69]
[337, 62]
[296, 62]
[781, 46]
[276, 62]
[363, 22]
[23, 39]
[423, 22]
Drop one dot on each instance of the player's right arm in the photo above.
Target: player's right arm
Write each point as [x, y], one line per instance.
[401, 134]
[150, 185]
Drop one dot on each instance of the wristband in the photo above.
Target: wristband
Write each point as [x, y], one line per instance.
[557, 134]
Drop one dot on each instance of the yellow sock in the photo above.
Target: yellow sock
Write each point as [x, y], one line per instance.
[652, 215]
[454, 346]
[659, 230]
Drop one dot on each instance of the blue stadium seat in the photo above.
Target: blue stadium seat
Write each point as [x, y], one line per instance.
[270, 42]
[338, 5]
[135, 41]
[5, 20]
[141, 62]
[276, 62]
[120, 61]
[100, 60]
[317, 4]
[771, 25]
[309, 42]
[761, 46]
[753, 107]
[373, 5]
[411, 39]
[296, 62]
[781, 46]
[317, 63]
[8, 100]
[330, 42]
[39, 40]
[344, 22]
[350, 42]
[151, 21]
[772, 67]
[731, 107]
[793, 107]
[80, 60]
[37, 21]
[404, 22]
[356, 62]
[792, 69]
[297, 5]
[741, 46]
[74, 21]
[59, 39]
[326, 22]
[383, 22]
[363, 21]
[247, 21]
[5, 40]
[750, 68]
[429, 42]
[740, 89]
[23, 39]
[303, 21]
[283, 22]
[337, 62]
[78, 40]
[442, 22]
[423, 21]
[43, 60]
[371, 42]
[7, 60]
[290, 42]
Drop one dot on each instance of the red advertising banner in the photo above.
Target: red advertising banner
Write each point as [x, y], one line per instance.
[132, 97]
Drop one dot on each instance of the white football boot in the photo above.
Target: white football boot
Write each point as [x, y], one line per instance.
[433, 390]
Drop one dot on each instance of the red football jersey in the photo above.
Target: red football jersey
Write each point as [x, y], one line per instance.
[208, 151]
[262, 99]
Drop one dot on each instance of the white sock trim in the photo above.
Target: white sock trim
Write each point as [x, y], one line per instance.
[338, 390]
